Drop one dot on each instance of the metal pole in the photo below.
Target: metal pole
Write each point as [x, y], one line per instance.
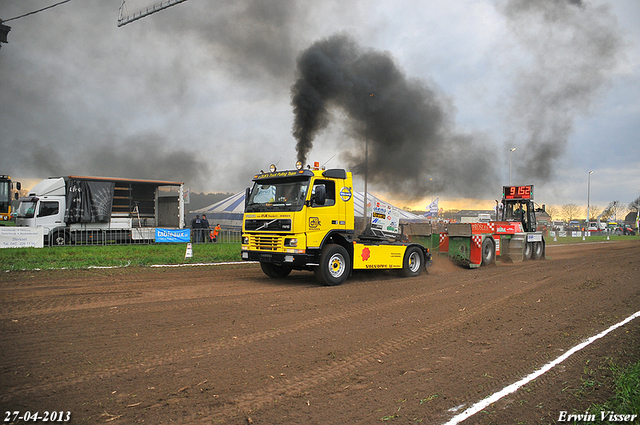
[589, 198]
[510, 152]
[366, 176]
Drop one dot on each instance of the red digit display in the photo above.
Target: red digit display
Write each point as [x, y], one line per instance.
[518, 192]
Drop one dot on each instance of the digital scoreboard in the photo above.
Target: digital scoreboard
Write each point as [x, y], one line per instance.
[517, 192]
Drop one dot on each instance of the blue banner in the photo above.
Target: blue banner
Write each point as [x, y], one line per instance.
[173, 235]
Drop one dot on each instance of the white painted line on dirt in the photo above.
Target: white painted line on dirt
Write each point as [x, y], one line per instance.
[479, 406]
[203, 264]
[578, 243]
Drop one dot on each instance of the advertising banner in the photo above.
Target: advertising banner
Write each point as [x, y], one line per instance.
[21, 237]
[173, 235]
[385, 217]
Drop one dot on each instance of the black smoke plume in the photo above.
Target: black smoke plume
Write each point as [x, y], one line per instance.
[406, 124]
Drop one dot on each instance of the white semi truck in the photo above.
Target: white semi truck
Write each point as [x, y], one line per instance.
[81, 209]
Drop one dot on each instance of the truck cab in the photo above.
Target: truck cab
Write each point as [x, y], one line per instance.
[43, 207]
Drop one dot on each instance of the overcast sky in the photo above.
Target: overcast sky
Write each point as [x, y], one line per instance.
[209, 93]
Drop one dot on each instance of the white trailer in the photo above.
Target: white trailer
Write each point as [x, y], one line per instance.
[81, 209]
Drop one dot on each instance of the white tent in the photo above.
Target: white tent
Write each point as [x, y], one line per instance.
[228, 212]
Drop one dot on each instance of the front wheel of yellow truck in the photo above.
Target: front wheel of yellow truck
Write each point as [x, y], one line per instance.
[413, 262]
[335, 265]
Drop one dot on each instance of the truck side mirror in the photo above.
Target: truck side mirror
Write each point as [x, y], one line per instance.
[15, 195]
[247, 192]
[18, 186]
[321, 195]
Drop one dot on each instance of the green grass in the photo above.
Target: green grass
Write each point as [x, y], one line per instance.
[78, 257]
[599, 238]
[626, 400]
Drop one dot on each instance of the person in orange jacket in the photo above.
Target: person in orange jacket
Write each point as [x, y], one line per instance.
[215, 232]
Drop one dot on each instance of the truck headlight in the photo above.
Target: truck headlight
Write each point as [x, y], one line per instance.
[291, 242]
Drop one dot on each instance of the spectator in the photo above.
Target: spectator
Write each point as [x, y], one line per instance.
[204, 228]
[196, 226]
[216, 230]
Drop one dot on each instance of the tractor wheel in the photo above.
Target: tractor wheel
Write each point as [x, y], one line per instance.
[527, 251]
[413, 262]
[335, 265]
[275, 271]
[488, 252]
[538, 251]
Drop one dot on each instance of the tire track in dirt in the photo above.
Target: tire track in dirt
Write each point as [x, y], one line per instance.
[42, 311]
[209, 349]
[37, 312]
[298, 385]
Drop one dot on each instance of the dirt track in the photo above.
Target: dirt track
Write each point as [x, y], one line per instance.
[228, 345]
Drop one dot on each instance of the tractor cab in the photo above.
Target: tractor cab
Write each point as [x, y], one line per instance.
[517, 206]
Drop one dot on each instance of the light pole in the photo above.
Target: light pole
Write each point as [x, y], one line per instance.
[510, 152]
[589, 197]
[366, 177]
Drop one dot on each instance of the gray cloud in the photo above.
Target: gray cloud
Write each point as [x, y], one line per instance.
[143, 157]
[214, 78]
[572, 48]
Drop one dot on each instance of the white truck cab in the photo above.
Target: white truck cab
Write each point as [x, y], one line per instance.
[44, 206]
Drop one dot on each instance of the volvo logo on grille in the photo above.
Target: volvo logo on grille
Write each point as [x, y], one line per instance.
[262, 225]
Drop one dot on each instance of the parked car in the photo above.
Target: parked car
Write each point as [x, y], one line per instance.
[594, 227]
[574, 225]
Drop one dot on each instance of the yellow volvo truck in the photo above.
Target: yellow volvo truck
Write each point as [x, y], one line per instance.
[304, 219]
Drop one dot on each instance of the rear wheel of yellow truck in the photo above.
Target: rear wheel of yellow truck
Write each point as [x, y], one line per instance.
[413, 262]
[335, 265]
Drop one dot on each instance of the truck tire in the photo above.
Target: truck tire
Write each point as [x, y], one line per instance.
[538, 251]
[488, 252]
[413, 262]
[527, 250]
[60, 238]
[275, 271]
[335, 265]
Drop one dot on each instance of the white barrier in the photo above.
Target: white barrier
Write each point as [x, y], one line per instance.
[21, 237]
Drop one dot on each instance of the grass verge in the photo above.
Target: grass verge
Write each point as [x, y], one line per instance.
[78, 257]
[626, 399]
[596, 238]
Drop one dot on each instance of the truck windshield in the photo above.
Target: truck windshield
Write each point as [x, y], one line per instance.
[27, 209]
[278, 195]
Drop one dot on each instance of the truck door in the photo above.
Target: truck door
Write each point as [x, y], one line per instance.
[49, 215]
[322, 218]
